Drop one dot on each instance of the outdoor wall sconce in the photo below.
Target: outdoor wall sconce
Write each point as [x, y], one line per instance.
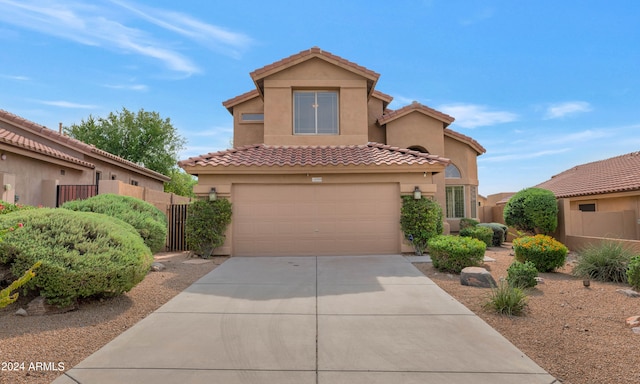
[7, 187]
[417, 193]
[213, 195]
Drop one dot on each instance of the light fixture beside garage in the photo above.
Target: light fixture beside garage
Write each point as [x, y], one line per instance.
[213, 195]
[417, 193]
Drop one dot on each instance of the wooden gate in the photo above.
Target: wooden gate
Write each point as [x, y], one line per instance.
[177, 217]
[74, 192]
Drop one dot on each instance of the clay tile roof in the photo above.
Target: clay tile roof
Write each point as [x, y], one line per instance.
[262, 155]
[304, 55]
[617, 174]
[16, 140]
[391, 115]
[229, 104]
[465, 139]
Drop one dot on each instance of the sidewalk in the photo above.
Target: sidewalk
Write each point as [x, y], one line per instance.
[352, 319]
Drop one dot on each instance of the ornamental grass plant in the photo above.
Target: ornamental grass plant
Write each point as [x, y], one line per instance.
[604, 261]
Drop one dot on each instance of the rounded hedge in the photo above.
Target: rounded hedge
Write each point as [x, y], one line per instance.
[522, 275]
[420, 220]
[543, 251]
[83, 254]
[499, 233]
[148, 220]
[483, 234]
[533, 210]
[206, 224]
[454, 253]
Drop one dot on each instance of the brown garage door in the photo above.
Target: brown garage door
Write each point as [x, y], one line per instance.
[315, 219]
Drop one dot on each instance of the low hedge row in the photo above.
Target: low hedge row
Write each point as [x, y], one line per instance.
[454, 253]
[483, 234]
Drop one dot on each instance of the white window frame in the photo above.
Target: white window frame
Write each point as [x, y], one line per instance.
[316, 129]
[451, 202]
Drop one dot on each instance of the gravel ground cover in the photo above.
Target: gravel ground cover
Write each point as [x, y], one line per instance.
[577, 334]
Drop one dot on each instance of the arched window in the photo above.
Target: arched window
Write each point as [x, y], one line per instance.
[418, 148]
[452, 172]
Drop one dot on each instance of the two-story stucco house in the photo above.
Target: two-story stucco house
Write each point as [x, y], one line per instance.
[319, 163]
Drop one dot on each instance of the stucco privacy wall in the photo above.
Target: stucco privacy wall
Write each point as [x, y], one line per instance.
[159, 199]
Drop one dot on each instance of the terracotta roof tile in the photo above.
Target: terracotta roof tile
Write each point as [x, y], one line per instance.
[262, 155]
[617, 174]
[315, 51]
[17, 140]
[415, 106]
[73, 143]
[229, 104]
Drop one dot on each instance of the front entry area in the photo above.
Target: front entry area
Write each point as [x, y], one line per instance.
[315, 219]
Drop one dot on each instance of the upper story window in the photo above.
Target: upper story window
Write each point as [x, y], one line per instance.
[315, 112]
[451, 172]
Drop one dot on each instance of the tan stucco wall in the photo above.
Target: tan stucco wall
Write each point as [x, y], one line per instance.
[417, 129]
[377, 133]
[248, 133]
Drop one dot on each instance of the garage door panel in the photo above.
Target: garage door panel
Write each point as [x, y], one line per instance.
[327, 219]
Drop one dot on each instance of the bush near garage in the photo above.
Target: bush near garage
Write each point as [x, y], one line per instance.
[420, 220]
[483, 234]
[499, 233]
[206, 224]
[454, 253]
[148, 220]
[83, 254]
[543, 251]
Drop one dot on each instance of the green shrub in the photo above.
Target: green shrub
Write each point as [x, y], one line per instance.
[6, 207]
[148, 220]
[507, 300]
[522, 275]
[533, 209]
[467, 222]
[420, 220]
[83, 254]
[483, 234]
[543, 251]
[633, 272]
[454, 253]
[605, 261]
[206, 223]
[499, 233]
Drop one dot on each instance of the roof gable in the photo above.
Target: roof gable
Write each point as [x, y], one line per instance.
[260, 74]
[616, 174]
[391, 115]
[465, 139]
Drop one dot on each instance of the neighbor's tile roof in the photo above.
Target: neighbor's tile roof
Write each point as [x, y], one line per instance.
[17, 140]
[617, 174]
[272, 155]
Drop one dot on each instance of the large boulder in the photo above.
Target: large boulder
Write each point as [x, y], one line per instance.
[477, 277]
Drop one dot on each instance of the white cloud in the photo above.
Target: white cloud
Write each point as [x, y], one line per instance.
[130, 87]
[67, 104]
[582, 136]
[95, 24]
[18, 78]
[559, 110]
[473, 115]
[521, 155]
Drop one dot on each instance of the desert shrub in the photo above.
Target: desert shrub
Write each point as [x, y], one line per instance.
[605, 261]
[533, 210]
[420, 220]
[83, 254]
[6, 207]
[206, 223]
[522, 275]
[454, 253]
[148, 220]
[467, 222]
[499, 233]
[543, 251]
[507, 300]
[633, 272]
[483, 234]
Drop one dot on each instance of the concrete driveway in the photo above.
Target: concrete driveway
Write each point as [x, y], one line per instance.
[351, 319]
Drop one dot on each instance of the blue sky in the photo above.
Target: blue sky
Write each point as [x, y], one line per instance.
[543, 85]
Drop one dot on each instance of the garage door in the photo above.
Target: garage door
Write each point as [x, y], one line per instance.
[315, 219]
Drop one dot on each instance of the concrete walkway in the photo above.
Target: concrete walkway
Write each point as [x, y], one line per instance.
[355, 319]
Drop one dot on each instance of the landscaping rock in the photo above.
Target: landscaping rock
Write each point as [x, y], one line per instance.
[39, 307]
[21, 312]
[539, 280]
[628, 292]
[633, 321]
[157, 267]
[477, 277]
[636, 330]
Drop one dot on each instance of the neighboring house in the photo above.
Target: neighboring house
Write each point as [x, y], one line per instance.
[320, 163]
[599, 199]
[35, 160]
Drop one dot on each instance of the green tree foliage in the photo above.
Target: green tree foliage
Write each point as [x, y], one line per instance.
[142, 137]
[206, 223]
[420, 220]
[181, 183]
[533, 210]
